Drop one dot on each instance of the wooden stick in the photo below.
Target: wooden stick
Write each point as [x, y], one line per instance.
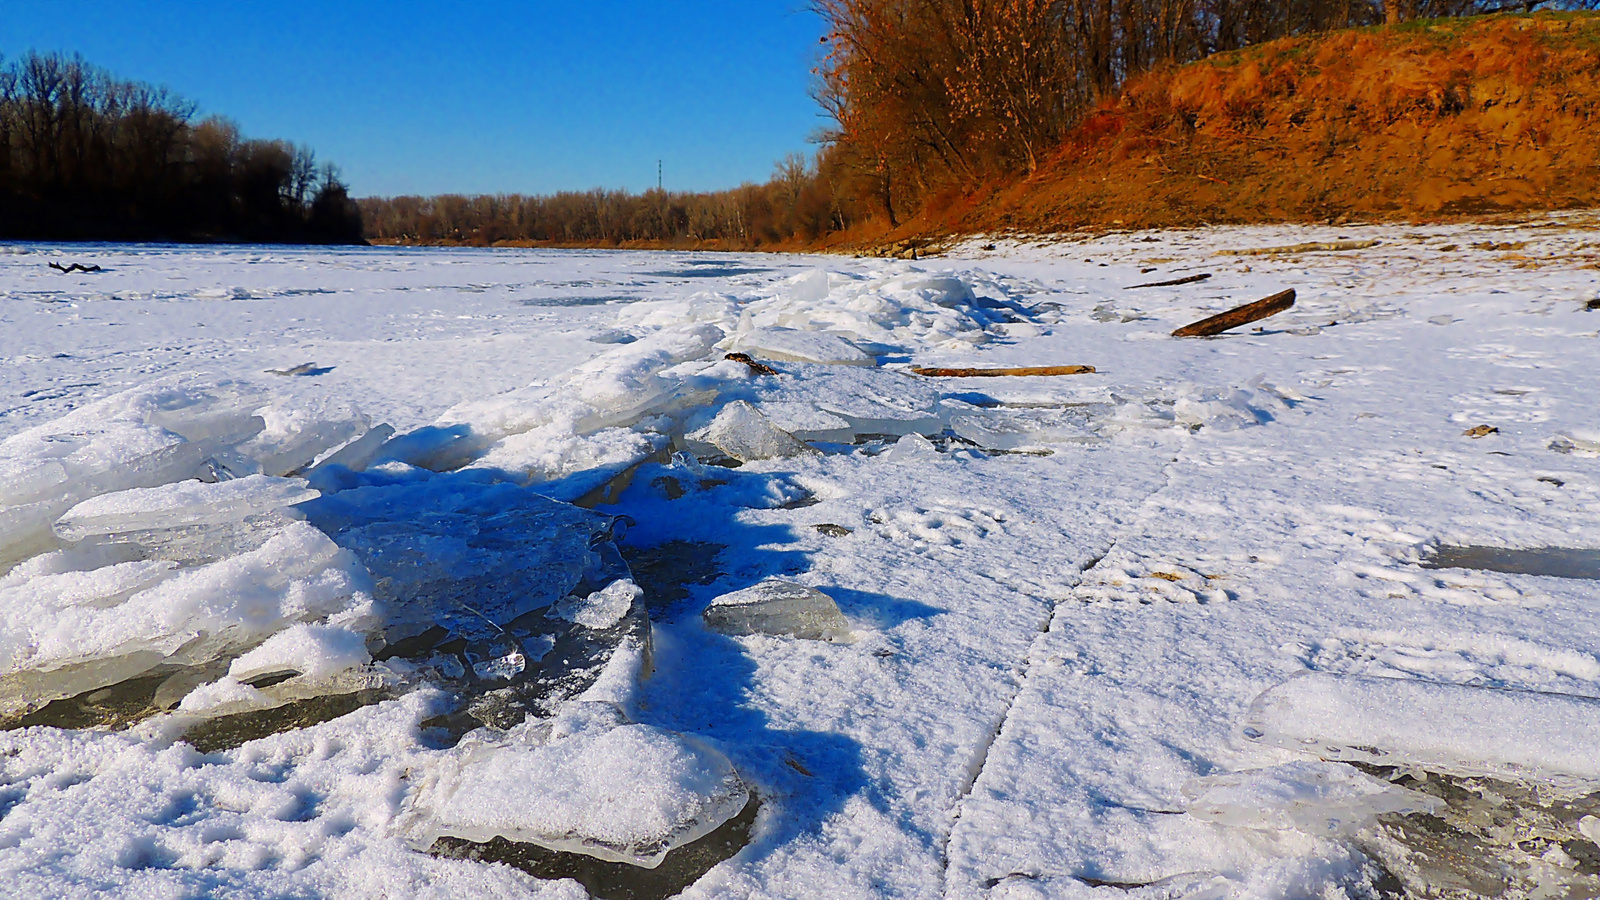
[759, 368]
[991, 373]
[1241, 315]
[1309, 247]
[1188, 280]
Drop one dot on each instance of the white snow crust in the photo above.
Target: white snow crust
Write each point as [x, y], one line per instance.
[1064, 595]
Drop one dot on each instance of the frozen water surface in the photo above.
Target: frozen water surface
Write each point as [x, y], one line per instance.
[1555, 562]
[347, 632]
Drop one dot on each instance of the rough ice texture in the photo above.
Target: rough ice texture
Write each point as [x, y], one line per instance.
[1022, 429]
[603, 608]
[800, 346]
[466, 556]
[296, 434]
[615, 388]
[171, 430]
[912, 448]
[778, 608]
[223, 695]
[185, 503]
[1318, 798]
[311, 651]
[742, 432]
[1399, 721]
[993, 731]
[867, 400]
[74, 631]
[589, 784]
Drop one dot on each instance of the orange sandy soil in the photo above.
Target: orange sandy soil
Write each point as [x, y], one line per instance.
[1436, 120]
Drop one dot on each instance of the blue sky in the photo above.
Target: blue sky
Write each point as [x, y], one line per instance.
[429, 97]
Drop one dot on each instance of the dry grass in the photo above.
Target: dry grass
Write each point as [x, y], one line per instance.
[1430, 121]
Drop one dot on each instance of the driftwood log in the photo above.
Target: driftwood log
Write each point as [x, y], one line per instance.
[1191, 279]
[991, 373]
[1241, 315]
[75, 267]
[760, 368]
[1309, 247]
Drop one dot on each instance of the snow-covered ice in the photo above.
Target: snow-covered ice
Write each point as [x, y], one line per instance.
[778, 608]
[586, 781]
[457, 577]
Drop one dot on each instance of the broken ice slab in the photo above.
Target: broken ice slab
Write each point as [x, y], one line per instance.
[167, 431]
[585, 782]
[603, 608]
[912, 448]
[742, 432]
[357, 454]
[807, 287]
[1318, 798]
[466, 556]
[1448, 727]
[795, 345]
[1024, 429]
[1555, 562]
[867, 400]
[1491, 837]
[183, 504]
[806, 422]
[27, 480]
[605, 880]
[470, 573]
[778, 608]
[613, 390]
[295, 435]
[67, 631]
[307, 651]
[1578, 443]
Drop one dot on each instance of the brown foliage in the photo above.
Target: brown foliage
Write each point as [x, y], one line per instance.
[797, 207]
[84, 155]
[933, 98]
[1441, 118]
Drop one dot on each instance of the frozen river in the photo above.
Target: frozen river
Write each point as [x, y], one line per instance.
[297, 601]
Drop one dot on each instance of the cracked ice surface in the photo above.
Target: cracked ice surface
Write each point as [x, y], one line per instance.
[1064, 594]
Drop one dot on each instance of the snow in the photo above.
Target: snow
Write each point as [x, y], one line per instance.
[588, 782]
[1063, 595]
[1448, 727]
[800, 346]
[603, 608]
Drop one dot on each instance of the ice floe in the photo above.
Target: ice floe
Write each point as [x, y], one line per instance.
[778, 608]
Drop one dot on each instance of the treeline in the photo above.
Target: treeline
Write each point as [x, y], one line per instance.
[930, 96]
[87, 156]
[930, 101]
[802, 202]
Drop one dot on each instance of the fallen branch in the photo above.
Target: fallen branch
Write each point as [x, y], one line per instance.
[1241, 315]
[991, 373]
[75, 267]
[759, 368]
[1310, 247]
[1191, 279]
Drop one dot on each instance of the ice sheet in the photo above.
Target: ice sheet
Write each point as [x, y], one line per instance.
[1459, 728]
[1047, 648]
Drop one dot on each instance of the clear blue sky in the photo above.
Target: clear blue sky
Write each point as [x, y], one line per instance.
[430, 97]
